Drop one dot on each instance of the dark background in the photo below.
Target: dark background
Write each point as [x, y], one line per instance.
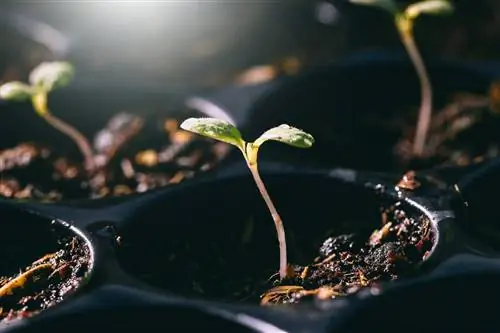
[207, 43]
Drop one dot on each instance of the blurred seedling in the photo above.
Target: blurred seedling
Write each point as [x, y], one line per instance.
[43, 79]
[404, 20]
[223, 131]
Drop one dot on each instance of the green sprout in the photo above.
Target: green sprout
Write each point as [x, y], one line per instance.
[223, 131]
[43, 79]
[404, 20]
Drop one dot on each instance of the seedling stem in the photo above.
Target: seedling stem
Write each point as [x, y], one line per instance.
[39, 101]
[226, 132]
[405, 28]
[251, 157]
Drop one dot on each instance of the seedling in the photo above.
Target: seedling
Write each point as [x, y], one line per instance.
[43, 79]
[404, 20]
[223, 131]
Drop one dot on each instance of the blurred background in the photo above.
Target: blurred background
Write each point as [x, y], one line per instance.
[198, 44]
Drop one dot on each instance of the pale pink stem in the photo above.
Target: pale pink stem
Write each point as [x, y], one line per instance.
[276, 218]
[76, 136]
[424, 115]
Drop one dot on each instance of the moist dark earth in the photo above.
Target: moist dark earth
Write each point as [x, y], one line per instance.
[349, 262]
[463, 132]
[46, 281]
[130, 160]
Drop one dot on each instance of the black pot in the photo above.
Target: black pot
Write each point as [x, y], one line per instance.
[133, 236]
[50, 262]
[346, 105]
[333, 205]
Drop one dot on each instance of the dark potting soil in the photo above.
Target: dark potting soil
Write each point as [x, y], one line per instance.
[131, 154]
[349, 262]
[465, 131]
[45, 282]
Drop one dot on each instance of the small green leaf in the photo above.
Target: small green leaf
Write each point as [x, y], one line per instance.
[286, 134]
[432, 7]
[215, 129]
[15, 91]
[51, 75]
[388, 5]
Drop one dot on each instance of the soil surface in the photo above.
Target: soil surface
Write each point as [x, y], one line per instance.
[45, 282]
[346, 263]
[131, 158]
[463, 132]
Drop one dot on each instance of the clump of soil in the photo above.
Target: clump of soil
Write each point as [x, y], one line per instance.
[129, 157]
[463, 132]
[349, 262]
[46, 281]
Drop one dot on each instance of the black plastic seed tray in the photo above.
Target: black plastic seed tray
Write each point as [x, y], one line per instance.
[125, 238]
[182, 257]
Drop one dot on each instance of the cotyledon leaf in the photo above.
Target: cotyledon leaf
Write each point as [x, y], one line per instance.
[15, 91]
[51, 75]
[287, 134]
[215, 129]
[433, 7]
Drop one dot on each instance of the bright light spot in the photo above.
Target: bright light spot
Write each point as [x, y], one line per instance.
[326, 13]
